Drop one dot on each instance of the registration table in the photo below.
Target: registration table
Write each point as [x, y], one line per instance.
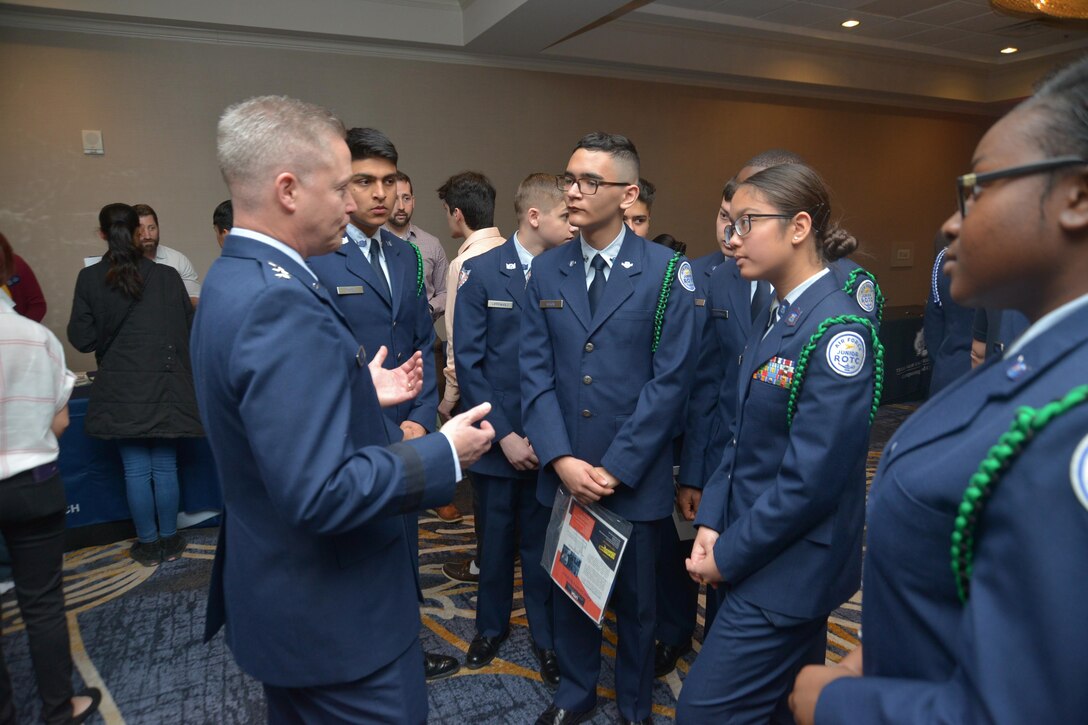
[94, 479]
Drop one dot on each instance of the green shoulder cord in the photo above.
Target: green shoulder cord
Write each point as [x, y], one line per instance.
[851, 287]
[419, 268]
[663, 299]
[806, 352]
[1027, 424]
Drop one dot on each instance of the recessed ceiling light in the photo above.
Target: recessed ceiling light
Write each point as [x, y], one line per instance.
[1010, 50]
[851, 23]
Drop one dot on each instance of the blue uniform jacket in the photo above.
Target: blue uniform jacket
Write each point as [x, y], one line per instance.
[1018, 650]
[313, 575]
[592, 388]
[486, 331]
[403, 324]
[789, 501]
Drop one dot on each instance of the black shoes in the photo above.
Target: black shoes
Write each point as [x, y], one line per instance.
[666, 656]
[146, 554]
[172, 547]
[96, 699]
[437, 667]
[549, 666]
[483, 650]
[558, 716]
[461, 571]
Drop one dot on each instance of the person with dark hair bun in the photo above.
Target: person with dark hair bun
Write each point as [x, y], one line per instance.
[135, 316]
[975, 591]
[780, 521]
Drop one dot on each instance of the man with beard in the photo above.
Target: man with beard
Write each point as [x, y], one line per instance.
[147, 236]
[435, 264]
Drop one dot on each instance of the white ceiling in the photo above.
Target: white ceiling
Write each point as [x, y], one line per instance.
[936, 54]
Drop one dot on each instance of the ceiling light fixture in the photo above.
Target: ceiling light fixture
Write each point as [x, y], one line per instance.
[1010, 50]
[1068, 9]
[851, 23]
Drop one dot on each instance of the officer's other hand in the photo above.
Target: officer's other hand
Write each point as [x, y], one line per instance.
[812, 680]
[518, 451]
[701, 565]
[399, 384]
[411, 430]
[470, 441]
[581, 479]
[687, 501]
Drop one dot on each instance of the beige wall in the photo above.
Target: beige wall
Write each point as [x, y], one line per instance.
[156, 103]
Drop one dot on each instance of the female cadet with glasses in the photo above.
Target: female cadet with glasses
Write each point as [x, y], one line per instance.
[781, 518]
[975, 586]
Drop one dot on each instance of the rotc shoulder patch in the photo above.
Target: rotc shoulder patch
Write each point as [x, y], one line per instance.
[777, 371]
[463, 277]
[1078, 472]
[684, 276]
[866, 295]
[846, 354]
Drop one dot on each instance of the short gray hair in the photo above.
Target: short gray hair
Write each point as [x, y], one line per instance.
[263, 136]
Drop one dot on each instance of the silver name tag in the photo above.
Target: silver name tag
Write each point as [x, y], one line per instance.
[356, 290]
[501, 304]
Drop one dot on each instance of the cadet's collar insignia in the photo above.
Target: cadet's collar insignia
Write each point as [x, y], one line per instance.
[866, 295]
[1078, 472]
[776, 371]
[627, 265]
[280, 271]
[511, 265]
[846, 354]
[791, 318]
[1017, 369]
[463, 277]
[572, 263]
[684, 276]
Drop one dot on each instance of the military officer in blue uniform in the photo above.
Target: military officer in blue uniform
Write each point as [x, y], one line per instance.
[314, 576]
[781, 519]
[978, 519]
[486, 333]
[605, 363]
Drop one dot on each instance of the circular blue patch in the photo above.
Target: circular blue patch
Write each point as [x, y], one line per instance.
[846, 354]
[866, 295]
[684, 276]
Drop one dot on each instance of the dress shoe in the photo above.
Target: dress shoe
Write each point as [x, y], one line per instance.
[96, 699]
[147, 554]
[448, 513]
[172, 547]
[461, 571]
[558, 716]
[437, 667]
[549, 666]
[667, 655]
[483, 650]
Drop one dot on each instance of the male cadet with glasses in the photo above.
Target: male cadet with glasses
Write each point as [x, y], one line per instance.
[638, 216]
[603, 395]
[435, 264]
[314, 574]
[376, 282]
[486, 331]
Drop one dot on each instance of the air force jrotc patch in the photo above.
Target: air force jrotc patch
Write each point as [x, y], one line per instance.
[846, 354]
[280, 271]
[463, 277]
[683, 274]
[866, 295]
[1078, 472]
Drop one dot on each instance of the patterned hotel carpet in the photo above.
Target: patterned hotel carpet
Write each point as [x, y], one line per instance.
[136, 633]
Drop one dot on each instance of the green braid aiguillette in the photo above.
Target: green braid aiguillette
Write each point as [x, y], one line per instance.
[1026, 425]
[663, 299]
[419, 269]
[851, 287]
[806, 352]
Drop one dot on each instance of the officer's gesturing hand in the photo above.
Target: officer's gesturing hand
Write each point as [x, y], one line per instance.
[518, 451]
[399, 384]
[583, 481]
[470, 441]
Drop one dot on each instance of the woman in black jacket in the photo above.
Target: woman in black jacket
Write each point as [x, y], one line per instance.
[136, 315]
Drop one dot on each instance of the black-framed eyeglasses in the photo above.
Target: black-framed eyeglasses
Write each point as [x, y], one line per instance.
[969, 186]
[743, 224]
[586, 185]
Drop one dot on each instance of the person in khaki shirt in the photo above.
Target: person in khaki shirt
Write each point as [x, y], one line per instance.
[469, 201]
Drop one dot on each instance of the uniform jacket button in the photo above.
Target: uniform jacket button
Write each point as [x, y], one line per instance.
[589, 347]
[586, 414]
[587, 380]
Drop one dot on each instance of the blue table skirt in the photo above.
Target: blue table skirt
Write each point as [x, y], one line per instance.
[94, 479]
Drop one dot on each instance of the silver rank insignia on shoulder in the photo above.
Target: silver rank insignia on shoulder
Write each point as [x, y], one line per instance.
[511, 265]
[627, 265]
[280, 271]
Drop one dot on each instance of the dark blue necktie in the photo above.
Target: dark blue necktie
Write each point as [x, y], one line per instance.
[596, 287]
[376, 261]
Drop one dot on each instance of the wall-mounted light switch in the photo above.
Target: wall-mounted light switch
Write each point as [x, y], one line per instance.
[903, 258]
[92, 143]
